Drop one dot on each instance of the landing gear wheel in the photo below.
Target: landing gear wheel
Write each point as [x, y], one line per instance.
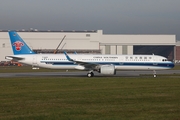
[91, 74]
[154, 74]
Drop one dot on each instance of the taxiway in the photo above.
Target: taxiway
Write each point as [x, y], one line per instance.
[83, 74]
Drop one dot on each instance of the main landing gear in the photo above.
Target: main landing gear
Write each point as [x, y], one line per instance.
[90, 74]
[154, 73]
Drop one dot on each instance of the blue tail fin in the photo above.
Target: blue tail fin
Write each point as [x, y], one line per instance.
[18, 45]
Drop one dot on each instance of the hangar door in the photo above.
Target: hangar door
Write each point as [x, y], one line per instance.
[166, 51]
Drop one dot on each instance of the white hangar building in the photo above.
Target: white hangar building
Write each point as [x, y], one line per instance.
[92, 42]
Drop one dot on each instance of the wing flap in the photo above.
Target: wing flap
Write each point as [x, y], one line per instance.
[87, 65]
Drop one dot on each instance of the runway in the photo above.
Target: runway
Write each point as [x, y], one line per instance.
[83, 74]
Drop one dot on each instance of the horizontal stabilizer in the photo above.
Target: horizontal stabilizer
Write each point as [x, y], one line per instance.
[14, 58]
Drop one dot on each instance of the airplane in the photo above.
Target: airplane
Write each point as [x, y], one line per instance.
[104, 64]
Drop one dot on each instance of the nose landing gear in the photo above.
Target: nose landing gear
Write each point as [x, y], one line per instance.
[90, 74]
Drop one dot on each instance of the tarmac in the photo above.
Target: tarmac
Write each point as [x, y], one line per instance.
[84, 74]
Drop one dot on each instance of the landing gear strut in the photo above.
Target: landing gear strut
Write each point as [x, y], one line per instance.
[154, 73]
[90, 74]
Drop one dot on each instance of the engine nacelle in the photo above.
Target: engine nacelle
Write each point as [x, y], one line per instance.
[79, 67]
[107, 70]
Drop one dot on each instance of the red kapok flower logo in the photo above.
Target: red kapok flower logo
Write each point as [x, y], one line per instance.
[18, 45]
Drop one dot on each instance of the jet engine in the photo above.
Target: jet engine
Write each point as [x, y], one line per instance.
[107, 70]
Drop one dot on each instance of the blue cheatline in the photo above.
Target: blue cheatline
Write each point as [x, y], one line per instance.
[165, 65]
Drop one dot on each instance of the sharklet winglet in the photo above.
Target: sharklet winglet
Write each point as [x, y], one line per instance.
[68, 58]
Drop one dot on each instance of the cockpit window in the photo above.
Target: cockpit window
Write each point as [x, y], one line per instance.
[164, 59]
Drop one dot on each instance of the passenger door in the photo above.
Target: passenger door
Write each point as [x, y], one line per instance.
[34, 63]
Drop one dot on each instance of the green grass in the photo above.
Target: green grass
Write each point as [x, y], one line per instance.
[102, 98]
[176, 67]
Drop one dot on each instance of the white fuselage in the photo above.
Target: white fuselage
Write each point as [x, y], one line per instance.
[121, 62]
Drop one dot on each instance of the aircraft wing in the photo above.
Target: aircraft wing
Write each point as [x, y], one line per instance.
[87, 65]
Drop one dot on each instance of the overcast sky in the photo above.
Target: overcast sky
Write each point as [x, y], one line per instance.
[111, 16]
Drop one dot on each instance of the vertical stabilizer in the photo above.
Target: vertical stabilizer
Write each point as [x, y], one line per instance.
[18, 45]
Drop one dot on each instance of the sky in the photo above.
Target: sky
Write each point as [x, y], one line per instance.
[111, 16]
